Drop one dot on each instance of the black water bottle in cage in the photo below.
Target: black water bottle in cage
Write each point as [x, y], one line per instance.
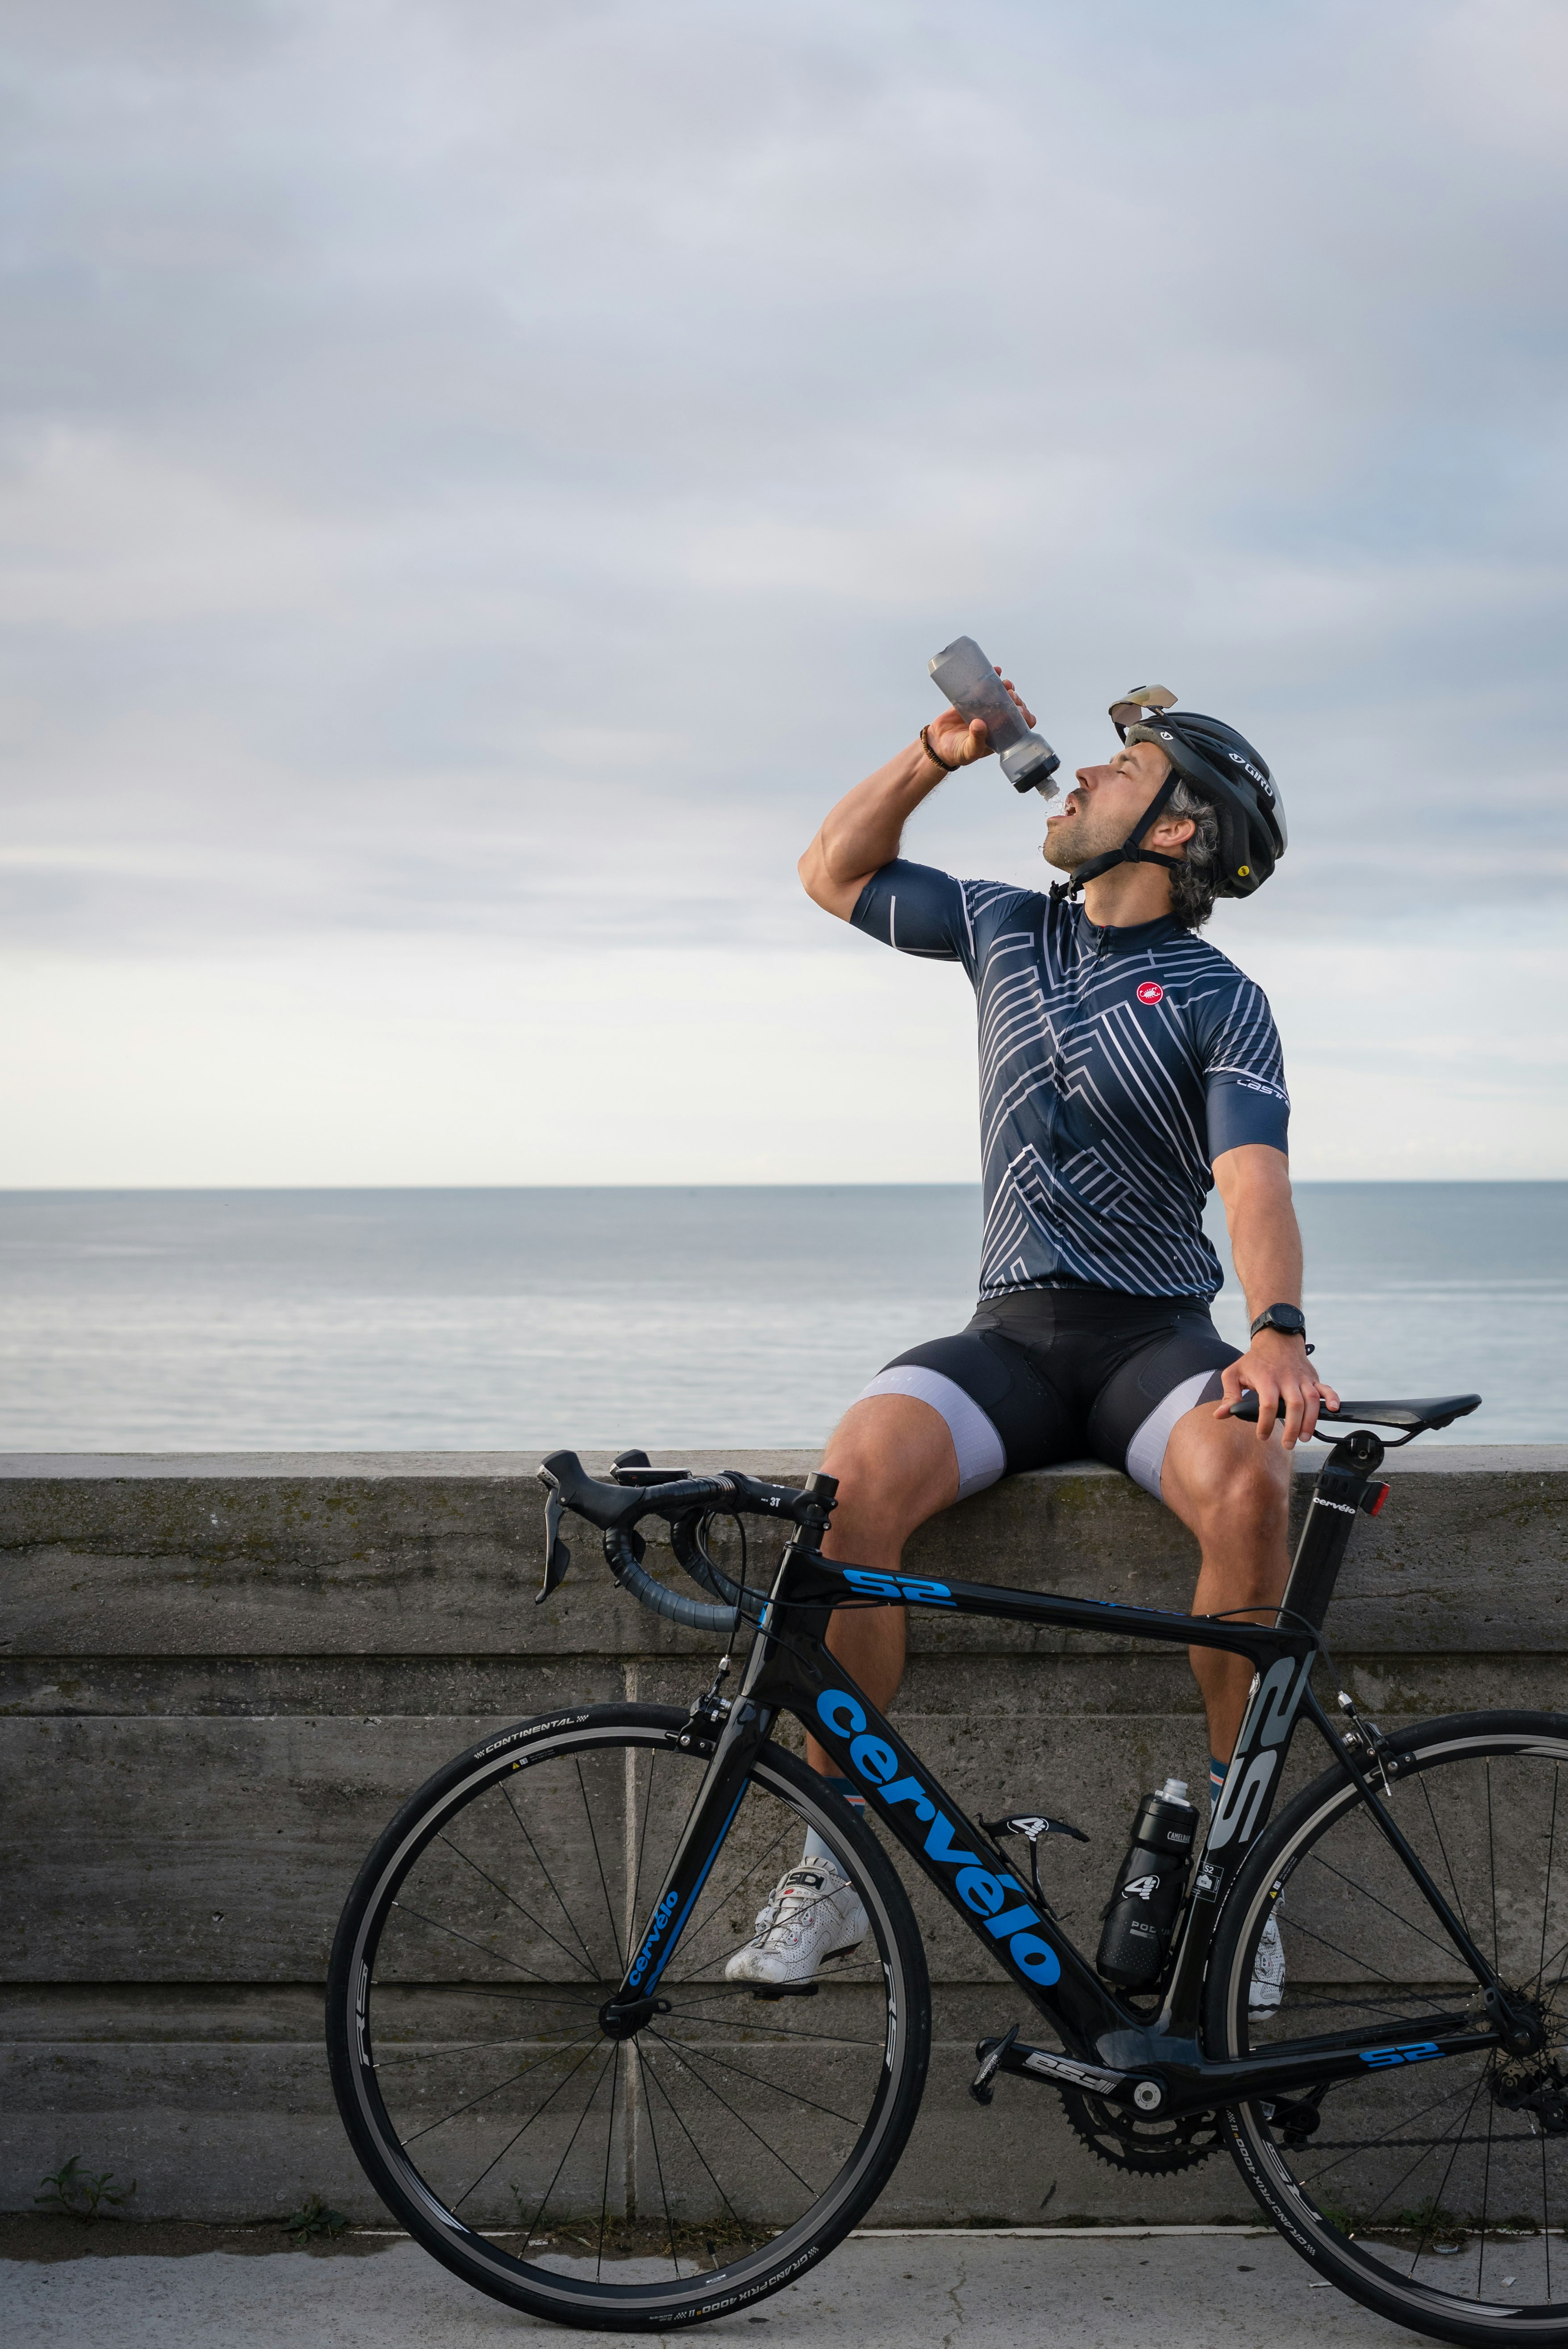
[1142, 1909]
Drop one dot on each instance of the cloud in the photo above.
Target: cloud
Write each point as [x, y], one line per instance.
[488, 476]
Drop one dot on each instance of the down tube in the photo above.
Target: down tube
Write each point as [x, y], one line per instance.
[935, 1832]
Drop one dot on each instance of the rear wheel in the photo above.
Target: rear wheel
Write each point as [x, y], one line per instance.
[1434, 2192]
[616, 2182]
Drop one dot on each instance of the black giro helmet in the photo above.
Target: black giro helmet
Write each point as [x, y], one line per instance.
[1223, 768]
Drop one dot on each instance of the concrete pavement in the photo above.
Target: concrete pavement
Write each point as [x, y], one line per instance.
[1188, 2290]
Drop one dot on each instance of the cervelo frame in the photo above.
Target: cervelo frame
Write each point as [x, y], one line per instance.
[1157, 2066]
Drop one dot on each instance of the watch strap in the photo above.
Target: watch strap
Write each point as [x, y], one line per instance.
[1288, 1320]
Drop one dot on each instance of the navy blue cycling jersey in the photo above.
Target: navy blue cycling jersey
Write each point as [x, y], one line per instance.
[1114, 1066]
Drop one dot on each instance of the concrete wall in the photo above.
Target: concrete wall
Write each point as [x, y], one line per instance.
[220, 1675]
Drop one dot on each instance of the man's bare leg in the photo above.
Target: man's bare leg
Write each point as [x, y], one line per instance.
[1234, 1493]
[894, 1461]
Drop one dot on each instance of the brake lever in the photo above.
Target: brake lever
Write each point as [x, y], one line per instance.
[557, 1557]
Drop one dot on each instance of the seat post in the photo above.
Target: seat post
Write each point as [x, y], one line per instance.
[1345, 1485]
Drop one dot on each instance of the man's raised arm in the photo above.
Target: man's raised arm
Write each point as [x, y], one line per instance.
[863, 832]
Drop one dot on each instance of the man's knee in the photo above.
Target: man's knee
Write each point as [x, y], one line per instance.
[1226, 1477]
[894, 1455]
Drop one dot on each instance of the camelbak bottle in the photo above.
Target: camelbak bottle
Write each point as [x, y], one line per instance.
[1142, 1909]
[963, 673]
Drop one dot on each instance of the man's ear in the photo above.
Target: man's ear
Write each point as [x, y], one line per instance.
[1172, 831]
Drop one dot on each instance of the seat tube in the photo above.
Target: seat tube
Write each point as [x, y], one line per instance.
[1339, 1491]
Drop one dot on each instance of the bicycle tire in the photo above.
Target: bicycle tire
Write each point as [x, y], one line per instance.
[393, 1982]
[1445, 2261]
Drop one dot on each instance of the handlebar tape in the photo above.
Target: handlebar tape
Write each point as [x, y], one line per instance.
[652, 1593]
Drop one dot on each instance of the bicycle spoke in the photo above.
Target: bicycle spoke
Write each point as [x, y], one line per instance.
[645, 2083]
[1444, 1948]
[528, 2123]
[534, 2222]
[1421, 1777]
[781, 2030]
[609, 2148]
[1449, 2171]
[1546, 2217]
[538, 1863]
[680, 2122]
[1491, 1860]
[695, 2054]
[435, 2054]
[729, 2108]
[522, 1911]
[1546, 1896]
[1486, 2174]
[516, 1965]
[1390, 2139]
[457, 2110]
[641, 1843]
[1388, 2136]
[1322, 1942]
[599, 1863]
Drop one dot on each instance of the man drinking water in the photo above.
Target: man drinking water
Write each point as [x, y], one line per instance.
[1126, 1067]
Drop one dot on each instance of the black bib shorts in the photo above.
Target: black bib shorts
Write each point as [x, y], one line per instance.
[1043, 1375]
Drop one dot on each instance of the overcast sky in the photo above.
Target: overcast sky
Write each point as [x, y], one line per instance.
[479, 478]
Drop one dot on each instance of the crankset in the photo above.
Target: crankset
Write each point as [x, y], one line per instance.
[1129, 2141]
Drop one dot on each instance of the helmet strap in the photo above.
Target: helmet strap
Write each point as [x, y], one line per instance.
[1131, 852]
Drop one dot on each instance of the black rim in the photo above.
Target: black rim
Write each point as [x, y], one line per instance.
[1441, 2184]
[524, 2144]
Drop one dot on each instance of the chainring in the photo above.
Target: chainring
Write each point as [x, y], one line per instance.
[1126, 2142]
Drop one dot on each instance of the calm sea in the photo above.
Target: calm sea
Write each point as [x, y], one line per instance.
[507, 1319]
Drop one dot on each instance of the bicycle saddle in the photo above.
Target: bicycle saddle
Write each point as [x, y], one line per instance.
[1417, 1412]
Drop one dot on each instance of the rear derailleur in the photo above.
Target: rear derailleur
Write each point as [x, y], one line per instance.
[1540, 2093]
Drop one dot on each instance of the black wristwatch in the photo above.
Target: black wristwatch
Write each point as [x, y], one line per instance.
[1288, 1320]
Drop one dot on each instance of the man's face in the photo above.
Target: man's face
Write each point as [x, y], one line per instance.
[1104, 805]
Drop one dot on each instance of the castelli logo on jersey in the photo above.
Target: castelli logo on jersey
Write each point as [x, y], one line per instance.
[1151, 992]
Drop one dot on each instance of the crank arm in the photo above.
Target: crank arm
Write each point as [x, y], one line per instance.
[1198, 2086]
[1016, 2056]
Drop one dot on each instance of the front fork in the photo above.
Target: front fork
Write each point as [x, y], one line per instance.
[745, 1730]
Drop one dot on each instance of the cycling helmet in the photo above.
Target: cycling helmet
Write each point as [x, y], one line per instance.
[1223, 768]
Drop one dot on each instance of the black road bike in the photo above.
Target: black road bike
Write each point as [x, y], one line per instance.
[551, 2084]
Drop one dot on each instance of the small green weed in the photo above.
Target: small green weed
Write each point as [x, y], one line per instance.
[312, 2221]
[81, 2193]
[1429, 2218]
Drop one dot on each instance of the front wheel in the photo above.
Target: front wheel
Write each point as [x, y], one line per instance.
[619, 2183]
[1435, 2191]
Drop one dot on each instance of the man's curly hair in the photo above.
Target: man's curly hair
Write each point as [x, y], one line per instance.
[1194, 884]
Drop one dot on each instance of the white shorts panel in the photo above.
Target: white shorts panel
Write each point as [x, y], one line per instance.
[982, 1456]
[1146, 1453]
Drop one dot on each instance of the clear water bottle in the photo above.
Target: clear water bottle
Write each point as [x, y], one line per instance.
[1141, 1911]
[963, 673]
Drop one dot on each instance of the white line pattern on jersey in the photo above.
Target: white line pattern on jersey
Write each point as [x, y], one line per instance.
[1096, 1107]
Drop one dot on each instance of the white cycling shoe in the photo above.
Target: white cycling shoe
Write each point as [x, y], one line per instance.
[1267, 1986]
[813, 1913]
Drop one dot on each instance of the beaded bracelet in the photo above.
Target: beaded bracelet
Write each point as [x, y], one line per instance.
[933, 756]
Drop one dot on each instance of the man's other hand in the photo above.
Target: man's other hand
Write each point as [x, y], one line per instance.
[962, 741]
[1277, 1369]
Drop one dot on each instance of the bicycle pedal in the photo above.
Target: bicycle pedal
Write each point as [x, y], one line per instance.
[983, 2086]
[786, 1989]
